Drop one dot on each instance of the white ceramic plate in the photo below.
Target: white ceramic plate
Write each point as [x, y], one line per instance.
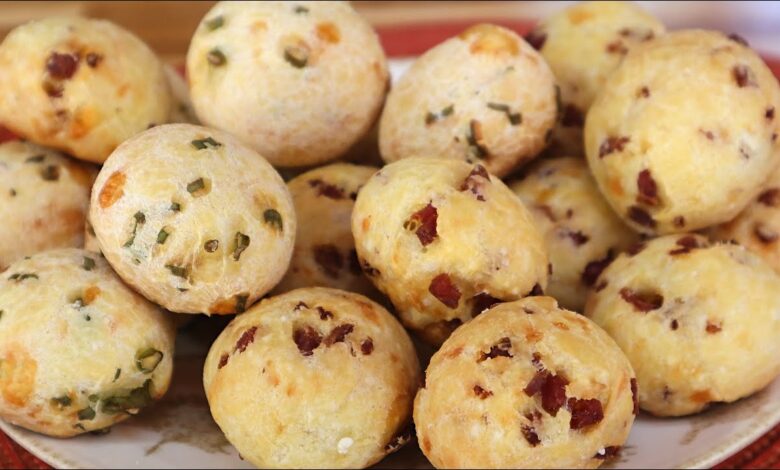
[179, 432]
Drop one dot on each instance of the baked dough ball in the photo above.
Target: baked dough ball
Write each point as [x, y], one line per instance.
[758, 226]
[324, 253]
[43, 200]
[80, 85]
[181, 105]
[581, 231]
[672, 152]
[79, 350]
[483, 96]
[671, 307]
[583, 45]
[314, 378]
[526, 385]
[193, 219]
[300, 82]
[444, 240]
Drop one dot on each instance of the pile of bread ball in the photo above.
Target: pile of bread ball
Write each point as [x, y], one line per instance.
[631, 266]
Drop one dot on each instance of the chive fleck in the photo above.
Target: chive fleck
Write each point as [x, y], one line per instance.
[162, 235]
[19, 277]
[175, 207]
[35, 159]
[137, 398]
[51, 173]
[196, 186]
[215, 23]
[12, 192]
[202, 144]
[86, 414]
[148, 360]
[61, 402]
[216, 57]
[241, 244]
[140, 219]
[514, 118]
[181, 289]
[431, 117]
[296, 56]
[88, 263]
[273, 217]
[241, 303]
[93, 398]
[79, 426]
[177, 270]
[211, 246]
[1, 313]
[474, 139]
[300, 9]
[117, 374]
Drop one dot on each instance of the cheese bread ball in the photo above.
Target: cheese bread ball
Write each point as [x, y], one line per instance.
[681, 136]
[79, 350]
[324, 253]
[758, 226]
[526, 385]
[193, 219]
[670, 306]
[444, 240]
[80, 85]
[300, 82]
[583, 45]
[483, 96]
[43, 200]
[181, 105]
[315, 377]
[581, 231]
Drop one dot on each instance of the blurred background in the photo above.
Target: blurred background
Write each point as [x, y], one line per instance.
[167, 26]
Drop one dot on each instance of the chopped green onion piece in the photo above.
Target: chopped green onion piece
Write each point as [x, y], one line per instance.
[296, 56]
[202, 144]
[162, 235]
[514, 118]
[140, 219]
[19, 277]
[273, 217]
[88, 263]
[175, 207]
[177, 270]
[86, 414]
[300, 9]
[35, 159]
[241, 242]
[117, 374]
[137, 398]
[211, 246]
[241, 303]
[61, 402]
[148, 359]
[216, 57]
[196, 186]
[51, 173]
[215, 23]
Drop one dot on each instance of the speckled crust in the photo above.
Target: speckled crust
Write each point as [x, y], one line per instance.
[484, 95]
[444, 241]
[43, 200]
[58, 309]
[671, 308]
[480, 395]
[673, 153]
[181, 105]
[193, 219]
[581, 230]
[758, 226]
[583, 45]
[324, 253]
[314, 378]
[80, 85]
[301, 82]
